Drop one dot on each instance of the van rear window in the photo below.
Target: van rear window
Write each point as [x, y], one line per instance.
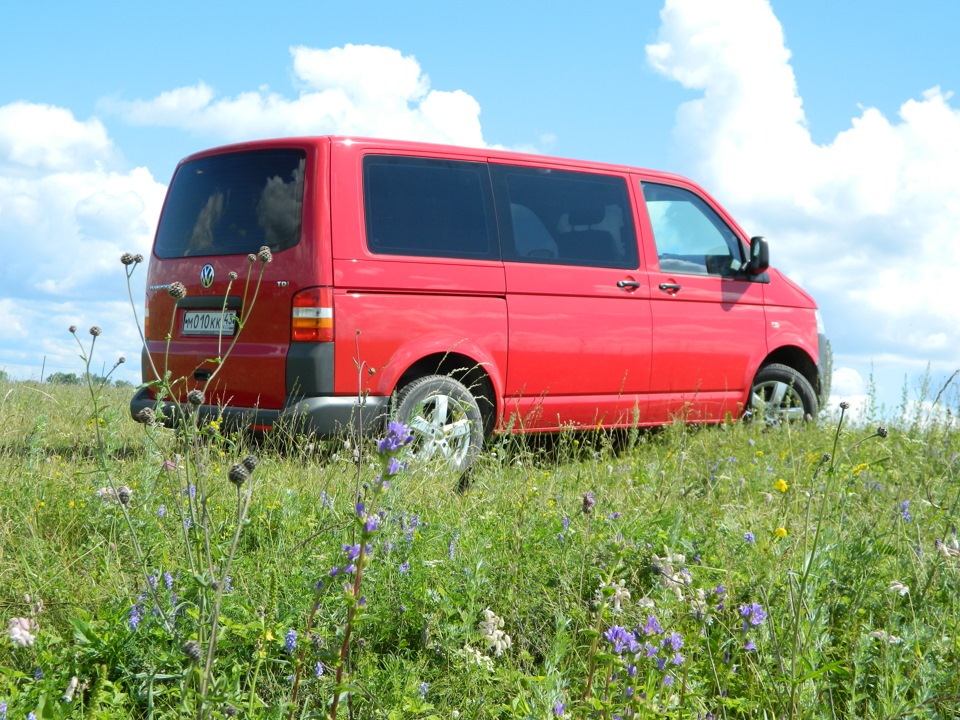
[429, 207]
[233, 204]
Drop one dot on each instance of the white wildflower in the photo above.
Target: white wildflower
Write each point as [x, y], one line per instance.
[492, 629]
[22, 631]
[620, 595]
[472, 655]
[646, 604]
[884, 637]
[899, 587]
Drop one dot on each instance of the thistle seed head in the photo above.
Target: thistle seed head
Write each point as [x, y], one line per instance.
[882, 431]
[72, 329]
[250, 462]
[146, 416]
[191, 648]
[265, 255]
[251, 258]
[127, 259]
[177, 290]
[232, 275]
[123, 494]
[195, 397]
[96, 331]
[589, 500]
[238, 474]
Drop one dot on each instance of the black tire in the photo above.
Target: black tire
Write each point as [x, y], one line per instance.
[445, 420]
[780, 394]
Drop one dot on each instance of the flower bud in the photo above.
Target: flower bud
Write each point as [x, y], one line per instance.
[177, 290]
[96, 331]
[195, 397]
[191, 648]
[265, 255]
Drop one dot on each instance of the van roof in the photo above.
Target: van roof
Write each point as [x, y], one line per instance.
[480, 153]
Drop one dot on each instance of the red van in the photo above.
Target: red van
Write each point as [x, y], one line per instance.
[466, 291]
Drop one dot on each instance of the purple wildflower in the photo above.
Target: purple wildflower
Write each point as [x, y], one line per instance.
[748, 537]
[397, 436]
[720, 590]
[371, 524]
[352, 551]
[905, 511]
[750, 645]
[667, 680]
[675, 640]
[559, 709]
[290, 641]
[653, 626]
[404, 567]
[753, 614]
[422, 691]
[161, 511]
[589, 500]
[135, 616]
[318, 669]
[678, 659]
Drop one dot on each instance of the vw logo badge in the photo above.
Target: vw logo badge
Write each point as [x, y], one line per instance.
[206, 276]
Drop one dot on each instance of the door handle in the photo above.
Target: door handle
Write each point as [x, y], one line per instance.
[671, 288]
[628, 284]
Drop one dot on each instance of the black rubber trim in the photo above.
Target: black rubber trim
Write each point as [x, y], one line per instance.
[310, 369]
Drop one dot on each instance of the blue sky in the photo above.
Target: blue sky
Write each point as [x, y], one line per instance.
[828, 127]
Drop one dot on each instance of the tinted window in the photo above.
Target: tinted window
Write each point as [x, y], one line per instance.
[565, 218]
[233, 204]
[691, 238]
[438, 208]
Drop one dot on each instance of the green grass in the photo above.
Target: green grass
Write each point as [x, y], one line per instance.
[517, 543]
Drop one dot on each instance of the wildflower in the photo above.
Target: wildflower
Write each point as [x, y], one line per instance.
[146, 416]
[589, 500]
[352, 551]
[780, 532]
[38, 674]
[491, 628]
[559, 709]
[749, 537]
[882, 432]
[238, 474]
[398, 435]
[667, 681]
[844, 405]
[675, 640]
[96, 331]
[371, 523]
[318, 669]
[620, 595]
[195, 397]
[753, 614]
[404, 567]
[162, 510]
[720, 590]
[168, 580]
[177, 290]
[31, 715]
[678, 659]
[751, 645]
[250, 462]
[905, 511]
[422, 690]
[290, 641]
[653, 626]
[191, 648]
[781, 485]
[264, 255]
[135, 616]
[22, 631]
[619, 638]
[130, 258]
[898, 587]
[72, 329]
[231, 276]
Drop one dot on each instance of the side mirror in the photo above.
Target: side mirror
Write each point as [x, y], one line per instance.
[759, 256]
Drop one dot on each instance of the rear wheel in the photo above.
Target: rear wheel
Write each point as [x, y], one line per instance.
[781, 394]
[444, 418]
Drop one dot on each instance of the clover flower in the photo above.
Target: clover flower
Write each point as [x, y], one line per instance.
[22, 631]
[491, 629]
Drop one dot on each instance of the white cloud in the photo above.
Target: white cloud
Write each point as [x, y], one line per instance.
[868, 222]
[350, 90]
[65, 219]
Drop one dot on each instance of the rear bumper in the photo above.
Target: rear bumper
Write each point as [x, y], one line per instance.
[325, 415]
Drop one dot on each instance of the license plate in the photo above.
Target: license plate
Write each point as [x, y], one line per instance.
[209, 322]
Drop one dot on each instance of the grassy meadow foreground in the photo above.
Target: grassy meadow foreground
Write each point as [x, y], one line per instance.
[728, 572]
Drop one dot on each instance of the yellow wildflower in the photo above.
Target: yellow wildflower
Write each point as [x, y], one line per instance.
[781, 532]
[781, 485]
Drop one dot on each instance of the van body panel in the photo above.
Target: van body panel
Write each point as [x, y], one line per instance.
[572, 288]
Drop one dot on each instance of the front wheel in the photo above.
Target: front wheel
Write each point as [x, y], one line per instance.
[444, 418]
[780, 394]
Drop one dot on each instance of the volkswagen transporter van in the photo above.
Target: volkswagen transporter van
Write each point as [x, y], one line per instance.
[465, 291]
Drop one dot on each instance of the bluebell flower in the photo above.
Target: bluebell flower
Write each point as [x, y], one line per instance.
[750, 645]
[318, 669]
[748, 537]
[371, 524]
[653, 626]
[753, 614]
[398, 435]
[135, 616]
[290, 641]
[352, 551]
[667, 680]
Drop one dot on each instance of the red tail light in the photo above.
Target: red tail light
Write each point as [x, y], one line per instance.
[312, 316]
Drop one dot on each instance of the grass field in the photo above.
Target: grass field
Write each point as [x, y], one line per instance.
[732, 571]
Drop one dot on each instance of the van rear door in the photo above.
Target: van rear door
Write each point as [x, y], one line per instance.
[230, 335]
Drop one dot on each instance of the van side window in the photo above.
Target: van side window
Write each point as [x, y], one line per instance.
[564, 218]
[690, 237]
[429, 207]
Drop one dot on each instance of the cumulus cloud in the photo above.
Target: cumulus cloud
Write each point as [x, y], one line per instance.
[66, 214]
[868, 222]
[351, 90]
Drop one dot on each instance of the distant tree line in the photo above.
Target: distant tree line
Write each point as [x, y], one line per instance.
[59, 378]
